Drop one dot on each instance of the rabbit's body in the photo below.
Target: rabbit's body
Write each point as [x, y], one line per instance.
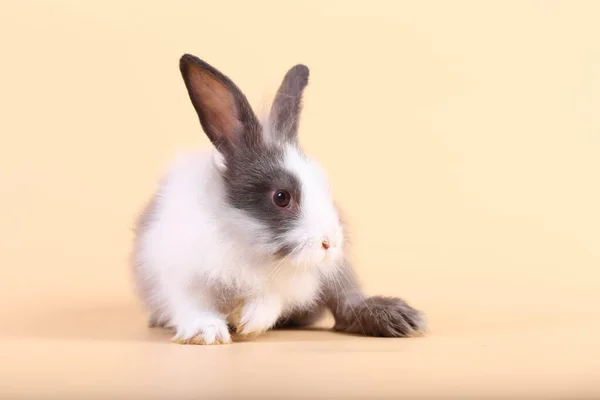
[192, 240]
[247, 233]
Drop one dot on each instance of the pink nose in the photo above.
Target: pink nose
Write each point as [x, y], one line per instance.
[325, 244]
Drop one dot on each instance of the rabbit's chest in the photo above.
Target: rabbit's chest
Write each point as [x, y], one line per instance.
[295, 288]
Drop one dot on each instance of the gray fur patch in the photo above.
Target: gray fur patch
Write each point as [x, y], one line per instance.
[251, 176]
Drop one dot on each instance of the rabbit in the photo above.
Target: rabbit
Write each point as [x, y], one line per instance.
[245, 236]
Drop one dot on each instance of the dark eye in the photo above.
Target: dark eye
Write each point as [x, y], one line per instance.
[282, 198]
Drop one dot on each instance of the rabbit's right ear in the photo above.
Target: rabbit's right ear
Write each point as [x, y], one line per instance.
[224, 112]
[286, 108]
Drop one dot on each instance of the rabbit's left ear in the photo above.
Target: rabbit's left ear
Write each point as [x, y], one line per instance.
[225, 114]
[287, 106]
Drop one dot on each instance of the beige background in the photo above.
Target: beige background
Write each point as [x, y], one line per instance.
[462, 139]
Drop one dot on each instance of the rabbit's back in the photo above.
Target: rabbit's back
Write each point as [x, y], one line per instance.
[179, 233]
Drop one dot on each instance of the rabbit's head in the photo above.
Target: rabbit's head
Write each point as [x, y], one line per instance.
[277, 190]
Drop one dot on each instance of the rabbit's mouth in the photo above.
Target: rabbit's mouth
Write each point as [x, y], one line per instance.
[318, 252]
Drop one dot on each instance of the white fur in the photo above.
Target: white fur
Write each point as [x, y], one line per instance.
[319, 217]
[198, 257]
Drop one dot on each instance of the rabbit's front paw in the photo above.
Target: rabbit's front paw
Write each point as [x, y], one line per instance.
[204, 329]
[384, 317]
[257, 315]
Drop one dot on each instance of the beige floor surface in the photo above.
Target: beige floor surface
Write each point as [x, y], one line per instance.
[462, 140]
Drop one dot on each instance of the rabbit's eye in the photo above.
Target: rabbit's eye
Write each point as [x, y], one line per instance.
[282, 198]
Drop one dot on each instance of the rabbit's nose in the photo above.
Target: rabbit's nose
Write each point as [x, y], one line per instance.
[325, 243]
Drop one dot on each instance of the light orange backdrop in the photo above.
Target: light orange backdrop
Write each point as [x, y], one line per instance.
[462, 140]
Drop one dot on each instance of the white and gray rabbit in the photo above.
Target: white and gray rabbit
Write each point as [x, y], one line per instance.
[246, 235]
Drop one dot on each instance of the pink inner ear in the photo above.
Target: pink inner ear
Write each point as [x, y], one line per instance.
[216, 103]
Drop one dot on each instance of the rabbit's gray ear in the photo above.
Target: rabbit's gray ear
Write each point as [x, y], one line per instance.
[287, 106]
[224, 112]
